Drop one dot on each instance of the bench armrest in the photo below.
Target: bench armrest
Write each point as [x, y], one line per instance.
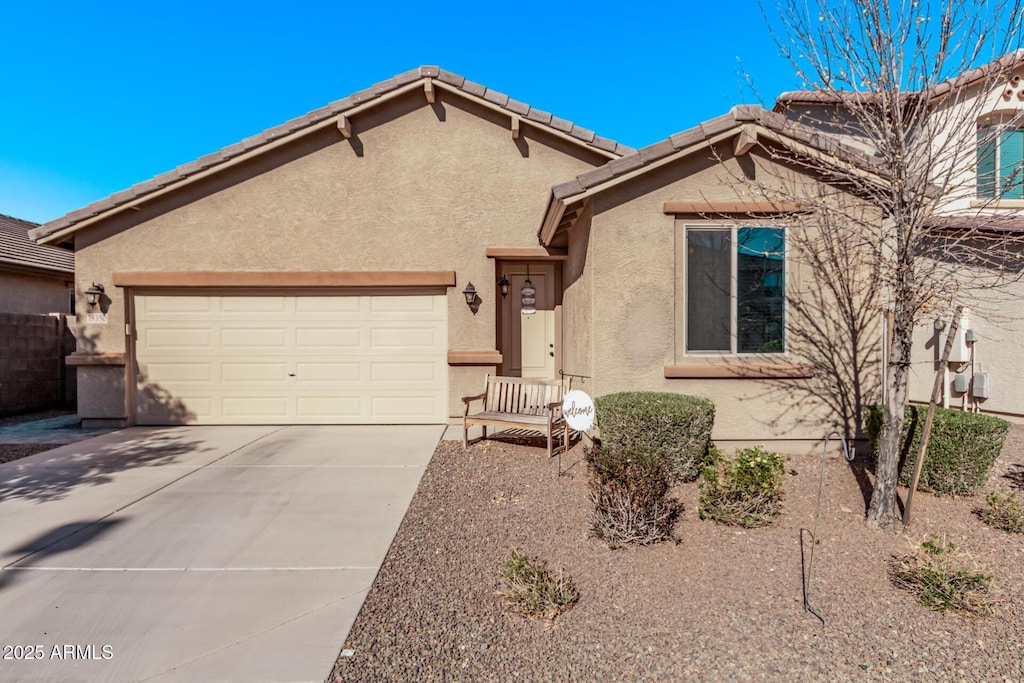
[554, 404]
[466, 400]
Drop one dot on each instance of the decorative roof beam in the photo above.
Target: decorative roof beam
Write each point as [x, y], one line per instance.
[428, 90]
[515, 127]
[345, 126]
[745, 141]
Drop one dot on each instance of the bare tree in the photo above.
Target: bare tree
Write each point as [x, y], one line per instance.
[913, 84]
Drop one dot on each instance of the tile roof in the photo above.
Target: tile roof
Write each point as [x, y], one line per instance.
[937, 91]
[17, 250]
[737, 116]
[325, 113]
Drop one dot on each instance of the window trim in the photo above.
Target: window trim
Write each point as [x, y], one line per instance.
[682, 291]
[999, 122]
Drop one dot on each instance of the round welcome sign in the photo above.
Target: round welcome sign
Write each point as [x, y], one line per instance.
[578, 410]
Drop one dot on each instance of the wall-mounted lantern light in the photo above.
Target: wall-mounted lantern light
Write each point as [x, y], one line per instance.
[503, 285]
[93, 294]
[470, 293]
[529, 295]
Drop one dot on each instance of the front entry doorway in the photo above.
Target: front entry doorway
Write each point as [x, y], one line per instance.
[529, 344]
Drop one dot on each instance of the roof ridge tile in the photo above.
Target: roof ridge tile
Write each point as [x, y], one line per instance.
[474, 88]
[495, 97]
[451, 78]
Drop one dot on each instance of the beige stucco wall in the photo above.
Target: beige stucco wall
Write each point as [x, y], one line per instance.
[417, 188]
[23, 293]
[632, 283]
[998, 318]
[577, 302]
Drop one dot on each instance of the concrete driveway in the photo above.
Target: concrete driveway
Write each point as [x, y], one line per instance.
[198, 553]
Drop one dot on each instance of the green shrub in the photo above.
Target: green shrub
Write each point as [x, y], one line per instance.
[529, 587]
[630, 495]
[961, 450]
[670, 426]
[1004, 512]
[746, 491]
[941, 580]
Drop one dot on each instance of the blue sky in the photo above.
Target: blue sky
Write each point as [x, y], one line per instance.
[98, 96]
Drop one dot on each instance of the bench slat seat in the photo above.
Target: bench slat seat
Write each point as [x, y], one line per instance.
[517, 402]
[493, 416]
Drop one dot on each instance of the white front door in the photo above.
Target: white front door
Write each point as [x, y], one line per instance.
[538, 344]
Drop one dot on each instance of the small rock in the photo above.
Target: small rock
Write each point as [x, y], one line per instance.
[845, 509]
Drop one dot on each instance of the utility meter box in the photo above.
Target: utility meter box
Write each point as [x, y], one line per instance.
[961, 383]
[980, 388]
[960, 353]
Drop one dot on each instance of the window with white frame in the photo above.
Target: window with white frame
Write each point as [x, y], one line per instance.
[1001, 158]
[735, 290]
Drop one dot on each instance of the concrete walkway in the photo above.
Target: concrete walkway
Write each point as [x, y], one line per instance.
[198, 553]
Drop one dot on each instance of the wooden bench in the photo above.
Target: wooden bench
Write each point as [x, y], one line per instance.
[520, 403]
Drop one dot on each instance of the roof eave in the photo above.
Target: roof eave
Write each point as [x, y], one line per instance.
[559, 205]
[552, 218]
[430, 78]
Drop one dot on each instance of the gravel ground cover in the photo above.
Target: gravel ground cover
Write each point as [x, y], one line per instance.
[16, 451]
[723, 604]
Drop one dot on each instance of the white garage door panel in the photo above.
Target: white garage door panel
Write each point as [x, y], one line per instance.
[245, 359]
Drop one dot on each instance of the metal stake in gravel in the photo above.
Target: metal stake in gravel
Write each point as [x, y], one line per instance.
[806, 568]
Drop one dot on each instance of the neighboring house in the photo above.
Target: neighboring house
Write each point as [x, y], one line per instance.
[985, 194]
[319, 272]
[34, 278]
[36, 294]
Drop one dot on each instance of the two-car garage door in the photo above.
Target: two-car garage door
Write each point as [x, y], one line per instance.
[281, 358]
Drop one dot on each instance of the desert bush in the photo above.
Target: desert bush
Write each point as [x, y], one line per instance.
[530, 588]
[941, 580]
[961, 450]
[1004, 512]
[746, 491]
[630, 493]
[670, 426]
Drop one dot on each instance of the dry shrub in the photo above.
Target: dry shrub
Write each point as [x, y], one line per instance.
[1004, 512]
[942, 580]
[630, 494]
[530, 588]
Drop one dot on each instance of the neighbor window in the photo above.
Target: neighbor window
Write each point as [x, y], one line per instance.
[1001, 159]
[735, 290]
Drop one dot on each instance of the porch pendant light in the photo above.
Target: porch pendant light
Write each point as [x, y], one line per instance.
[503, 285]
[529, 295]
